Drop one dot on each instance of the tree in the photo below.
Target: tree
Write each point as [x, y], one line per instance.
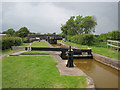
[22, 32]
[70, 24]
[38, 33]
[78, 21]
[88, 24]
[64, 31]
[10, 32]
[79, 25]
[54, 33]
[115, 35]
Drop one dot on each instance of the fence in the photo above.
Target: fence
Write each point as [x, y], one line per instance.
[113, 44]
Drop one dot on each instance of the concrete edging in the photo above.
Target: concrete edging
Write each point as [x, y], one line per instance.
[114, 63]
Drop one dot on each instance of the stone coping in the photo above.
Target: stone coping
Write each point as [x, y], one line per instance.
[114, 63]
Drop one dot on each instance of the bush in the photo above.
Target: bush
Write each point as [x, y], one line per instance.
[26, 40]
[7, 42]
[85, 39]
[114, 35]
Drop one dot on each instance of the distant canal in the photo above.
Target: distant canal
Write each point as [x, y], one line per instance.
[103, 76]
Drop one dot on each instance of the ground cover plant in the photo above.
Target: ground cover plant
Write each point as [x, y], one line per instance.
[36, 72]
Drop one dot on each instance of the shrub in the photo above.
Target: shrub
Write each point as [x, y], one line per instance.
[26, 40]
[7, 42]
[114, 35]
[84, 39]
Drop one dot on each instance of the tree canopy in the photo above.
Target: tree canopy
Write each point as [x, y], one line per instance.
[10, 31]
[79, 25]
[22, 32]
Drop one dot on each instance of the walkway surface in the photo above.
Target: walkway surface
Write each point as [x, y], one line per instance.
[74, 71]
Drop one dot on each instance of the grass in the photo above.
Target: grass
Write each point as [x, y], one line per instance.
[39, 44]
[25, 44]
[96, 49]
[35, 52]
[9, 50]
[36, 72]
[6, 51]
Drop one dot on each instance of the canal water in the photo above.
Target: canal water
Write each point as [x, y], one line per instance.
[103, 76]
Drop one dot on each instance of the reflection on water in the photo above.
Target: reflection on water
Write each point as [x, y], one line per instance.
[103, 76]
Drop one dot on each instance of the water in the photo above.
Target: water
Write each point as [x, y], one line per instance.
[103, 76]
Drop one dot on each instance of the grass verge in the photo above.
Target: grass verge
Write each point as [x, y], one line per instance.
[35, 52]
[99, 50]
[25, 44]
[39, 44]
[36, 72]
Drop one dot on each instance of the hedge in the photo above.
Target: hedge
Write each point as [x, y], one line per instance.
[84, 39]
[7, 42]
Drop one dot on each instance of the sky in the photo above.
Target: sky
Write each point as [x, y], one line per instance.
[47, 17]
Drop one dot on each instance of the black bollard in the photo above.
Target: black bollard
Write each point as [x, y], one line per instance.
[70, 58]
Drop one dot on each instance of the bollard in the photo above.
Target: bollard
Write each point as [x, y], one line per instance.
[70, 58]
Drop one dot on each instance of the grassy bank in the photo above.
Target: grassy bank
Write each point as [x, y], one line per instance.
[96, 49]
[25, 44]
[39, 44]
[35, 52]
[36, 72]
[6, 51]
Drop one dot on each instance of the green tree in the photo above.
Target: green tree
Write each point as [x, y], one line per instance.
[38, 33]
[54, 33]
[71, 30]
[22, 32]
[115, 35]
[88, 24]
[10, 32]
[78, 26]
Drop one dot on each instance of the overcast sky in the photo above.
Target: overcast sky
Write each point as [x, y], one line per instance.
[47, 17]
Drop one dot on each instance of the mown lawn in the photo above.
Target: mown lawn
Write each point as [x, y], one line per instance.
[25, 44]
[35, 52]
[39, 44]
[99, 50]
[36, 72]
